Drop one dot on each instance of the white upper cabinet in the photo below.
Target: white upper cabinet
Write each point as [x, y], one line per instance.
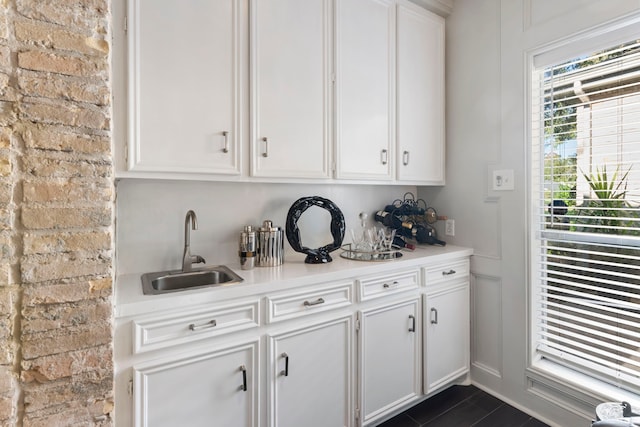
[279, 90]
[291, 83]
[420, 92]
[365, 89]
[186, 85]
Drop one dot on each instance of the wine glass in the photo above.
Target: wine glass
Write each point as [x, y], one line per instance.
[387, 236]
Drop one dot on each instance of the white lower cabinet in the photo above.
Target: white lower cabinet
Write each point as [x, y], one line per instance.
[310, 375]
[446, 331]
[390, 362]
[217, 387]
[351, 351]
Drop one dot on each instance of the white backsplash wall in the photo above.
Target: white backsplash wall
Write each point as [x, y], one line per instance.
[150, 217]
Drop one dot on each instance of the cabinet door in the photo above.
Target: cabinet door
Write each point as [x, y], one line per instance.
[291, 73]
[310, 376]
[390, 358]
[365, 83]
[446, 326]
[186, 85]
[420, 114]
[216, 388]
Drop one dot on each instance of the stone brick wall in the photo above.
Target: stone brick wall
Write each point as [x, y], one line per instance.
[56, 214]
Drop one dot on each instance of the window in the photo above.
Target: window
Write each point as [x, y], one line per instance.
[585, 200]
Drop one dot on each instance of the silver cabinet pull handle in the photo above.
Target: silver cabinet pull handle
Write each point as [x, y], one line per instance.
[226, 141]
[209, 324]
[265, 153]
[384, 156]
[243, 369]
[413, 323]
[286, 365]
[405, 158]
[312, 303]
[448, 273]
[387, 286]
[434, 316]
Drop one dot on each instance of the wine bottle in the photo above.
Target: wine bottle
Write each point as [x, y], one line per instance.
[399, 242]
[403, 228]
[404, 209]
[428, 235]
[385, 218]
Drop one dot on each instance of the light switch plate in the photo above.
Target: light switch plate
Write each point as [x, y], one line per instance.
[503, 180]
[450, 227]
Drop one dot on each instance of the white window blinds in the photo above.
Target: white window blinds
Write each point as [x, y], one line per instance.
[586, 213]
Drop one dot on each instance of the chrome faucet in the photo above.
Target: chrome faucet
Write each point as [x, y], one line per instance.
[187, 258]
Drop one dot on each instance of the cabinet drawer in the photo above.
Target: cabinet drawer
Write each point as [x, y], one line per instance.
[317, 299]
[379, 286]
[153, 333]
[446, 271]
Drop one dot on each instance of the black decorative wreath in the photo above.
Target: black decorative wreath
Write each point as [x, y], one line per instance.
[320, 255]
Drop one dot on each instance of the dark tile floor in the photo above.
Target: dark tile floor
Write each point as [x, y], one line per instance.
[463, 406]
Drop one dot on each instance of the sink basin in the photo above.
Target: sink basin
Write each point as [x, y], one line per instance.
[176, 280]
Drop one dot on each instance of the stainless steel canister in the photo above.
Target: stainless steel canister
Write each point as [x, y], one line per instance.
[270, 245]
[247, 248]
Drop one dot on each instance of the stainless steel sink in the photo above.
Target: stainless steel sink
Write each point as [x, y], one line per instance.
[161, 282]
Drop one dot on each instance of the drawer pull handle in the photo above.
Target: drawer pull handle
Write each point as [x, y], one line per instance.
[243, 369]
[265, 153]
[394, 284]
[286, 365]
[405, 158]
[448, 273]
[226, 141]
[312, 303]
[413, 323]
[384, 156]
[434, 316]
[209, 324]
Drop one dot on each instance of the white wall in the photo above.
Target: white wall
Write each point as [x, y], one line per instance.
[486, 45]
[151, 213]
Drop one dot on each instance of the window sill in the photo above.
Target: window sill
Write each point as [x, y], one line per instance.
[573, 390]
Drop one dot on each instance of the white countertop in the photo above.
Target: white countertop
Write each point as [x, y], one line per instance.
[129, 299]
